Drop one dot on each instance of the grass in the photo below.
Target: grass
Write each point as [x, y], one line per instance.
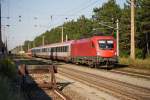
[8, 73]
[138, 63]
[7, 68]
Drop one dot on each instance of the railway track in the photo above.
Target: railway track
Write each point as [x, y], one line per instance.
[121, 90]
[128, 72]
[132, 73]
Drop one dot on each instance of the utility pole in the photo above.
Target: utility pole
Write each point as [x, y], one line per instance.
[62, 34]
[66, 37]
[21, 49]
[33, 44]
[43, 40]
[0, 24]
[6, 45]
[28, 46]
[117, 29]
[132, 52]
[1, 43]
[147, 44]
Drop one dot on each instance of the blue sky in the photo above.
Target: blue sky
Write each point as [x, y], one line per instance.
[35, 16]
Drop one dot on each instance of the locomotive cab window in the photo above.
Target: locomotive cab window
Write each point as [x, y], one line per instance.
[106, 44]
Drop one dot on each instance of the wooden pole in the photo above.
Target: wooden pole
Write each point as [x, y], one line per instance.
[117, 23]
[132, 53]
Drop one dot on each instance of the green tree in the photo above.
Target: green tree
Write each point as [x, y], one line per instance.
[124, 33]
[144, 36]
[109, 12]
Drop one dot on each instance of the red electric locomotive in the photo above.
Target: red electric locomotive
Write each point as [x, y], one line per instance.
[94, 51]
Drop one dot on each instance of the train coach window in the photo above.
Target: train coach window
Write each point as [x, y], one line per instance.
[61, 49]
[67, 48]
[49, 49]
[58, 49]
[55, 49]
[52, 49]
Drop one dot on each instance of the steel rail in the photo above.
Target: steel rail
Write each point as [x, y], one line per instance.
[132, 73]
[130, 92]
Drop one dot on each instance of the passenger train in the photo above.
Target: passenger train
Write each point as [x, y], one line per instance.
[94, 51]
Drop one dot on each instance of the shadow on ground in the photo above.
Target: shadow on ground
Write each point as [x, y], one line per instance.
[32, 91]
[62, 85]
[30, 62]
[118, 66]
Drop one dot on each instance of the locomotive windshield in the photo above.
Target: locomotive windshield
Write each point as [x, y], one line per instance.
[106, 44]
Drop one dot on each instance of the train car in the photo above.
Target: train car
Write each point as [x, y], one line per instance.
[42, 51]
[95, 51]
[56, 51]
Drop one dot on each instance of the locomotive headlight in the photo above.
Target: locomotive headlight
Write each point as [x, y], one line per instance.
[98, 53]
[115, 53]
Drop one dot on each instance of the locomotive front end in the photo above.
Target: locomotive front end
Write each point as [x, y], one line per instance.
[106, 51]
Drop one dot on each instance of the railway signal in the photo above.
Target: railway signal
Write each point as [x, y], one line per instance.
[114, 34]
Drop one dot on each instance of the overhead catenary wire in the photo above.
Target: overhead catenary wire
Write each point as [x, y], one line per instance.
[79, 10]
[83, 8]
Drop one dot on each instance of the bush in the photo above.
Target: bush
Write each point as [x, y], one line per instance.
[138, 53]
[124, 53]
[7, 68]
[138, 63]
